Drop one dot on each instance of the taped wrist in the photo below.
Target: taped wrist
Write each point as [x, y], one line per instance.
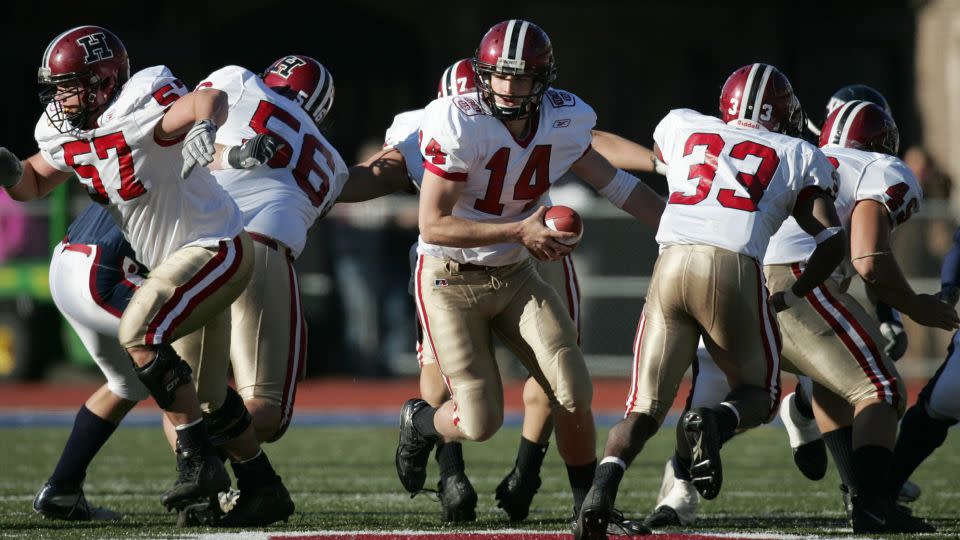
[164, 374]
[229, 421]
[228, 157]
[827, 234]
[620, 188]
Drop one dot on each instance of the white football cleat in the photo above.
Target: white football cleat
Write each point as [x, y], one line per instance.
[677, 501]
[809, 450]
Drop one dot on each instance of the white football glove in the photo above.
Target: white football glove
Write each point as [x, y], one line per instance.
[896, 339]
[658, 166]
[198, 148]
[11, 168]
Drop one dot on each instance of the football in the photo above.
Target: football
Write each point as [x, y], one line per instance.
[564, 219]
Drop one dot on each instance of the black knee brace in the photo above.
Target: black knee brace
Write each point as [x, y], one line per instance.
[229, 421]
[164, 375]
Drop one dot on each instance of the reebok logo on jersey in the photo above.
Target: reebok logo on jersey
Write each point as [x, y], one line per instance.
[562, 123]
[440, 283]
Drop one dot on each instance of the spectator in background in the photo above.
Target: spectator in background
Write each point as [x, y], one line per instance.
[13, 224]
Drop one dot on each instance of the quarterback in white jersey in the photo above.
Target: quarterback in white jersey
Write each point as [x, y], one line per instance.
[489, 159]
[279, 201]
[733, 182]
[127, 139]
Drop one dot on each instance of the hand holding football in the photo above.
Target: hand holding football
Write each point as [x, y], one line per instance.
[564, 219]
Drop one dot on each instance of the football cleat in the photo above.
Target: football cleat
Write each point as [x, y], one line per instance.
[413, 450]
[52, 503]
[594, 516]
[700, 431]
[909, 492]
[677, 501]
[617, 525]
[201, 477]
[875, 515]
[261, 506]
[809, 450]
[514, 494]
[458, 499]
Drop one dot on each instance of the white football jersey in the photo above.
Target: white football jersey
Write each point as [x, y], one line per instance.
[732, 187]
[122, 164]
[403, 135]
[282, 198]
[863, 176]
[505, 178]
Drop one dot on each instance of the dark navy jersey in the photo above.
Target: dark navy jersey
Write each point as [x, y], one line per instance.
[95, 226]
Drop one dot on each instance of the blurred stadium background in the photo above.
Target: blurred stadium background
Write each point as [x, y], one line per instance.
[631, 62]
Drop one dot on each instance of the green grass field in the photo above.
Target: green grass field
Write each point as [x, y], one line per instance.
[344, 479]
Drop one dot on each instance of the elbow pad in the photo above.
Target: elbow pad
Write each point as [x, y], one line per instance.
[620, 188]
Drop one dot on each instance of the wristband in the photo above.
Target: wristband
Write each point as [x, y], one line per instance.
[620, 188]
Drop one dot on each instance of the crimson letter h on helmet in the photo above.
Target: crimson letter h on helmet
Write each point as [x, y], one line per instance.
[304, 80]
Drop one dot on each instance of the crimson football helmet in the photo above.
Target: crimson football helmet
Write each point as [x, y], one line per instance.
[88, 63]
[758, 95]
[457, 79]
[861, 125]
[304, 80]
[515, 47]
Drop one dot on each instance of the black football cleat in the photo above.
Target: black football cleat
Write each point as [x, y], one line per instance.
[514, 494]
[706, 470]
[809, 450]
[413, 451]
[847, 502]
[260, 506]
[874, 515]
[53, 503]
[594, 516]
[201, 477]
[663, 516]
[458, 499]
[617, 525]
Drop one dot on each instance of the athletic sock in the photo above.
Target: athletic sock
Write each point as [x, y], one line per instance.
[530, 458]
[256, 471]
[802, 402]
[581, 478]
[423, 422]
[681, 468]
[193, 437]
[88, 435]
[450, 458]
[840, 444]
[727, 421]
[871, 468]
[919, 436]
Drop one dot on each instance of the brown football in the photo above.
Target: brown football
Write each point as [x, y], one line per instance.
[565, 219]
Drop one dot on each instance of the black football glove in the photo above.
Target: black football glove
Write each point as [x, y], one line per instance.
[252, 153]
[11, 168]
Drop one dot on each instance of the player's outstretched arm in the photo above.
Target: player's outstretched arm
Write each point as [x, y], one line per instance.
[439, 226]
[28, 179]
[382, 174]
[873, 259]
[623, 153]
[198, 115]
[620, 188]
[817, 216]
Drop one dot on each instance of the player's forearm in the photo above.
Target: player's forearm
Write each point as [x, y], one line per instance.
[381, 175]
[623, 153]
[883, 275]
[645, 205]
[452, 231]
[821, 264]
[30, 185]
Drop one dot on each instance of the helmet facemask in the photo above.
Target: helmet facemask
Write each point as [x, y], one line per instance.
[55, 90]
[528, 104]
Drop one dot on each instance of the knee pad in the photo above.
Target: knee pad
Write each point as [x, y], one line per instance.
[229, 421]
[164, 375]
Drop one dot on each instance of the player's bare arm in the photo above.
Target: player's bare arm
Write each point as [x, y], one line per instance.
[817, 216]
[382, 174]
[199, 105]
[641, 202]
[873, 259]
[623, 153]
[28, 179]
[438, 225]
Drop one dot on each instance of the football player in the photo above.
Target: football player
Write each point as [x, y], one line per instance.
[279, 202]
[400, 166]
[733, 182]
[488, 161]
[134, 143]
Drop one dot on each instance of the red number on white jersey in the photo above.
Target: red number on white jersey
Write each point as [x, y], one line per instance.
[895, 201]
[534, 180]
[755, 183]
[130, 186]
